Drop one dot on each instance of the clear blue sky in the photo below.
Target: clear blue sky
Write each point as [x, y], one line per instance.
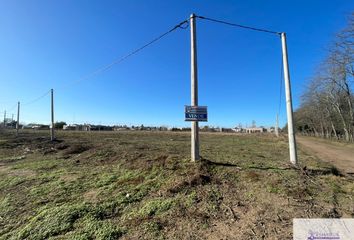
[49, 44]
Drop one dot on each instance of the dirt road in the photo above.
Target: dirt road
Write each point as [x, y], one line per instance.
[338, 154]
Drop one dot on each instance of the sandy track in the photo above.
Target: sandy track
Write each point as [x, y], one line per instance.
[339, 155]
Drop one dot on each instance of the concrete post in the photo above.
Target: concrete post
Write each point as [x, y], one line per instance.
[276, 130]
[52, 136]
[5, 119]
[194, 89]
[289, 107]
[18, 118]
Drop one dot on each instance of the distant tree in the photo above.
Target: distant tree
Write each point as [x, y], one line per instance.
[59, 125]
[206, 128]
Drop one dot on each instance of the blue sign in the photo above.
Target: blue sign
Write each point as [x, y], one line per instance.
[196, 113]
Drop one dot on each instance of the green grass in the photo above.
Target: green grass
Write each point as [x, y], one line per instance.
[154, 207]
[142, 185]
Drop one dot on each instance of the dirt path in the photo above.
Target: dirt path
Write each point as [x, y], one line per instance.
[339, 155]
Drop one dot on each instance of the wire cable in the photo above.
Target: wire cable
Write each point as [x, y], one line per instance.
[8, 111]
[239, 25]
[259, 30]
[36, 99]
[183, 25]
[11, 108]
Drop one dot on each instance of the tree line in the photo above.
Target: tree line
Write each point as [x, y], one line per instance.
[326, 108]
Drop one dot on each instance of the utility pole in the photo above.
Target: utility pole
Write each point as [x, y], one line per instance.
[18, 118]
[194, 89]
[276, 130]
[52, 136]
[289, 107]
[5, 119]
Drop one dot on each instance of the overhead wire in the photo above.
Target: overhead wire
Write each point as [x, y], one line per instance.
[11, 108]
[239, 25]
[183, 25]
[259, 30]
[36, 99]
[8, 111]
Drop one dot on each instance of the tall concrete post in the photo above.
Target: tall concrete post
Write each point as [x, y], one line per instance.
[52, 136]
[276, 130]
[289, 106]
[18, 118]
[5, 119]
[194, 89]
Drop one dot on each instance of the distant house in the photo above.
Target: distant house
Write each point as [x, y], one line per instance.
[118, 128]
[70, 127]
[27, 127]
[162, 128]
[36, 126]
[238, 129]
[41, 127]
[271, 129]
[86, 127]
[255, 130]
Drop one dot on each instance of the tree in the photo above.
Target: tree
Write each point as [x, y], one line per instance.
[59, 125]
[326, 108]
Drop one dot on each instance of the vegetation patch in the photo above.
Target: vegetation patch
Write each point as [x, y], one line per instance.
[155, 207]
[52, 221]
[147, 188]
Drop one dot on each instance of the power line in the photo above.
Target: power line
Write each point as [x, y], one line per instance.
[11, 108]
[36, 99]
[8, 111]
[239, 25]
[259, 30]
[182, 25]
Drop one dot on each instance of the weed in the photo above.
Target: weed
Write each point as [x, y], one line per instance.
[106, 179]
[191, 199]
[91, 228]
[52, 221]
[153, 227]
[214, 199]
[155, 207]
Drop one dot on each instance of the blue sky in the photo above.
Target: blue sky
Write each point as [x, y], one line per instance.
[51, 44]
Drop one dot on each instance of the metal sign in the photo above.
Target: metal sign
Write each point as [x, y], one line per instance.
[196, 113]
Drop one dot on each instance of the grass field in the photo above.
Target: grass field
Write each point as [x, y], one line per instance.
[142, 185]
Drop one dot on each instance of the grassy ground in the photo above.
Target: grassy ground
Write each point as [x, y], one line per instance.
[142, 185]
